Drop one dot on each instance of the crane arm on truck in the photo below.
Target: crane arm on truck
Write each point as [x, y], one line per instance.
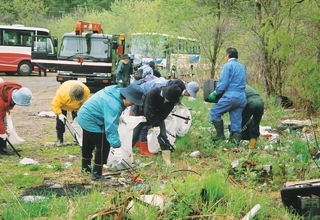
[89, 26]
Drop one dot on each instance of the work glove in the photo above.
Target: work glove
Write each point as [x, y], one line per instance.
[117, 153]
[212, 96]
[3, 136]
[143, 119]
[62, 118]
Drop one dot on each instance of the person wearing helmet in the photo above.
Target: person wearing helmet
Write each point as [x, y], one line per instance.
[69, 98]
[11, 94]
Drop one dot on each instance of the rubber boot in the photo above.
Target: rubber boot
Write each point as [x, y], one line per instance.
[59, 139]
[86, 165]
[97, 174]
[252, 143]
[166, 157]
[220, 131]
[144, 151]
[138, 144]
[236, 137]
[5, 151]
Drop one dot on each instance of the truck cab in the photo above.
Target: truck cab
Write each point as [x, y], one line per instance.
[88, 57]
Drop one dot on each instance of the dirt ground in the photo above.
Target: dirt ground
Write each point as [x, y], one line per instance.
[26, 121]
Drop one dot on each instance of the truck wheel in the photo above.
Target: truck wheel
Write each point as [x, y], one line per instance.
[24, 68]
[10, 73]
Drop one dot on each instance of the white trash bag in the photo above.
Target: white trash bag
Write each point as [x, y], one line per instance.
[128, 123]
[77, 130]
[171, 127]
[182, 125]
[13, 137]
[153, 143]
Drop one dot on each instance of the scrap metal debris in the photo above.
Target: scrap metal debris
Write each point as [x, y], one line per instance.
[293, 124]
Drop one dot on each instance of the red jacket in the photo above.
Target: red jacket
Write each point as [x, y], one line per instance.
[6, 102]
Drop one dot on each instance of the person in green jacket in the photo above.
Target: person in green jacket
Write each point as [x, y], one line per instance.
[251, 116]
[123, 71]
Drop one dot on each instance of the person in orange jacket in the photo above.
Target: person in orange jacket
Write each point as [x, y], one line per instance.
[11, 94]
[69, 98]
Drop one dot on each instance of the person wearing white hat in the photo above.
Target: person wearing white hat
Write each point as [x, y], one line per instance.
[69, 98]
[11, 94]
[99, 118]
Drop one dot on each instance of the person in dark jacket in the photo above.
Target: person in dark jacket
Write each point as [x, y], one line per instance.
[123, 71]
[188, 89]
[251, 116]
[231, 84]
[157, 105]
[11, 93]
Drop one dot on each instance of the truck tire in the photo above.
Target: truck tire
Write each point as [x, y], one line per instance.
[24, 68]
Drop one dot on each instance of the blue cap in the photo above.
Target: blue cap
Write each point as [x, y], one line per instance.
[22, 96]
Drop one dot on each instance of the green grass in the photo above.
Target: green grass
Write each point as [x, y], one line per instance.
[197, 188]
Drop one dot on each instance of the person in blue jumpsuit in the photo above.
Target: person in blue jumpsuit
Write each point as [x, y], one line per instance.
[99, 119]
[231, 84]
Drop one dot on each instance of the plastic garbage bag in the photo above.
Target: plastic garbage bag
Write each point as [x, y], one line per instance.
[153, 144]
[13, 137]
[77, 130]
[182, 125]
[171, 127]
[128, 123]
